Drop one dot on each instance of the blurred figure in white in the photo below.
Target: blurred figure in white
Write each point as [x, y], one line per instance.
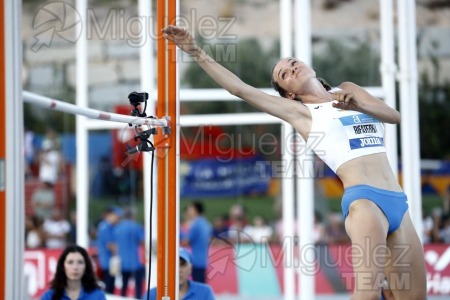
[49, 163]
[260, 232]
[56, 230]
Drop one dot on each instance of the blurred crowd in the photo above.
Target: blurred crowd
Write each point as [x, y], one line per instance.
[436, 223]
[237, 228]
[46, 224]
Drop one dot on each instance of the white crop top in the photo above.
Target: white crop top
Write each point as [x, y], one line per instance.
[338, 136]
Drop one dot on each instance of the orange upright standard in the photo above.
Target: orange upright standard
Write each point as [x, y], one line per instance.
[167, 207]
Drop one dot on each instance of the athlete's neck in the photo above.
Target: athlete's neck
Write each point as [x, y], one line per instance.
[314, 92]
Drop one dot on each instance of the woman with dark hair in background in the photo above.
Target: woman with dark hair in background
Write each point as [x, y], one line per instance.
[74, 277]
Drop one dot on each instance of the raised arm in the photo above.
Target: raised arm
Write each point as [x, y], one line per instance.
[282, 108]
[353, 97]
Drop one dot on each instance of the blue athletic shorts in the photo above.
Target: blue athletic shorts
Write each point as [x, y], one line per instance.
[392, 204]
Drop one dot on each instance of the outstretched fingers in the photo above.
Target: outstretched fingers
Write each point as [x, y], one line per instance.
[175, 30]
[344, 100]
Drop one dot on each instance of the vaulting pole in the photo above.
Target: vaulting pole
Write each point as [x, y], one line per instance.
[167, 211]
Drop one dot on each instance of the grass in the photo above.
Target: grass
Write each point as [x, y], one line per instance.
[255, 206]
[261, 205]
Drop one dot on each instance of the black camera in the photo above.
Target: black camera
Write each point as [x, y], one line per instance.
[136, 98]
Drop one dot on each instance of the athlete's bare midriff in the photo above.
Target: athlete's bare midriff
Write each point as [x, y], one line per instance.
[373, 170]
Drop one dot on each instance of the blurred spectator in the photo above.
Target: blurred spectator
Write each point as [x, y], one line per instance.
[220, 229]
[260, 232]
[52, 136]
[104, 183]
[29, 152]
[427, 226]
[56, 229]
[122, 183]
[188, 290]
[436, 216]
[129, 237]
[49, 163]
[237, 212]
[185, 224]
[319, 230]
[238, 226]
[92, 235]
[279, 230]
[106, 245]
[335, 231]
[444, 233]
[198, 237]
[446, 201]
[73, 227]
[34, 236]
[43, 200]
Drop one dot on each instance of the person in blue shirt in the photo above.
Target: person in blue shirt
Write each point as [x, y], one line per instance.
[188, 289]
[129, 236]
[198, 238]
[106, 245]
[74, 277]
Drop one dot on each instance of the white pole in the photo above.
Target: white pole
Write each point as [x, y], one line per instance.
[409, 109]
[12, 179]
[416, 210]
[212, 95]
[81, 131]
[302, 29]
[287, 158]
[288, 243]
[305, 164]
[228, 119]
[147, 67]
[286, 28]
[388, 70]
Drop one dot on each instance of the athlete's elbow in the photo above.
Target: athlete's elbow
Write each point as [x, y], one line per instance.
[393, 118]
[238, 90]
[396, 118]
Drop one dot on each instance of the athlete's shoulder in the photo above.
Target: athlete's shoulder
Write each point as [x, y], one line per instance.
[349, 86]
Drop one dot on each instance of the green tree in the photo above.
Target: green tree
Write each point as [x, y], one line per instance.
[357, 63]
[434, 109]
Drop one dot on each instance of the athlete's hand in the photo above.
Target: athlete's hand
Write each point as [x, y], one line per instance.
[345, 100]
[182, 38]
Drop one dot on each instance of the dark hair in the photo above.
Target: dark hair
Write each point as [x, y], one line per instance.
[282, 91]
[59, 282]
[275, 84]
[198, 207]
